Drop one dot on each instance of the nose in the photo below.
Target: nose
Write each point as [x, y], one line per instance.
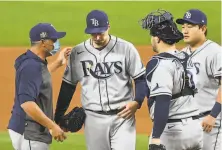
[185, 31]
[97, 37]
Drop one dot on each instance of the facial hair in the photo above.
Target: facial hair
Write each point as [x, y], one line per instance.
[154, 46]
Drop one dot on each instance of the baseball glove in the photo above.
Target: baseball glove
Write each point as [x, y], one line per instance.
[157, 147]
[74, 120]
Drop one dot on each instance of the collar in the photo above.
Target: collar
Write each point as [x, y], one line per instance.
[30, 54]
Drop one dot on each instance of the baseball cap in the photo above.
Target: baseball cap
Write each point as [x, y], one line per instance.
[97, 22]
[44, 31]
[193, 16]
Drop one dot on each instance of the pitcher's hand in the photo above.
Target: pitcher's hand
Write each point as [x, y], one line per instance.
[128, 110]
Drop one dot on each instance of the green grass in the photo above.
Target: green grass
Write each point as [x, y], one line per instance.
[18, 17]
[73, 142]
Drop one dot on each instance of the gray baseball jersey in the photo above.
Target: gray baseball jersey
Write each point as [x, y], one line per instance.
[105, 75]
[207, 62]
[167, 80]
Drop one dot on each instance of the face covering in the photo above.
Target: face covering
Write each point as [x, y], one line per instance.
[56, 48]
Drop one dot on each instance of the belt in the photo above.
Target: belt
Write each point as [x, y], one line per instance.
[204, 114]
[110, 112]
[180, 120]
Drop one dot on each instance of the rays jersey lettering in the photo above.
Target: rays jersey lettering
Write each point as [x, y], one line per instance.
[106, 75]
[102, 70]
[207, 61]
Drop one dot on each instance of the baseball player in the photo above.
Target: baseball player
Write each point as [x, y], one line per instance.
[33, 91]
[104, 65]
[171, 86]
[206, 57]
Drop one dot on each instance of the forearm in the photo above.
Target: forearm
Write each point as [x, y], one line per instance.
[54, 66]
[161, 114]
[33, 110]
[217, 106]
[64, 99]
[140, 89]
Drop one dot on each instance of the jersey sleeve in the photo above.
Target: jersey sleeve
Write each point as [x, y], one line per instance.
[69, 73]
[216, 65]
[29, 83]
[135, 66]
[161, 82]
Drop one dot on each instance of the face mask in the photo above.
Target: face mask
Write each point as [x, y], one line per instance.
[56, 48]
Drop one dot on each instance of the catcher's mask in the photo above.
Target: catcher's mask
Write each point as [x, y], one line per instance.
[161, 24]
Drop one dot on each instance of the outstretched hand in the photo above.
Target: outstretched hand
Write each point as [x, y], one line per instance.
[63, 55]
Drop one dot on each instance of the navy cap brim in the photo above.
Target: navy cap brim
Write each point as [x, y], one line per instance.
[95, 30]
[60, 35]
[182, 21]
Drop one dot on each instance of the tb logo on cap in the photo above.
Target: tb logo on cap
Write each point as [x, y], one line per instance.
[188, 15]
[95, 22]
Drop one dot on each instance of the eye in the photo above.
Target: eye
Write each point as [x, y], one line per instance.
[190, 26]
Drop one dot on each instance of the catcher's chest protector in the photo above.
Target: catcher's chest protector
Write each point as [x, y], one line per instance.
[188, 87]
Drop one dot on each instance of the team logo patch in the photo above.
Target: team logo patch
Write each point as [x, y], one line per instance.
[43, 35]
[188, 15]
[95, 22]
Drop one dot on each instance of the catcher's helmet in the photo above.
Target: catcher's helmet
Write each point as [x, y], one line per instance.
[161, 24]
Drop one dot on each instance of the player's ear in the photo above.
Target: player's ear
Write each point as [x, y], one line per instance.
[203, 28]
[43, 42]
[157, 39]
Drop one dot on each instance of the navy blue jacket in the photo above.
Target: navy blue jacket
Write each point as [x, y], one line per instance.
[32, 83]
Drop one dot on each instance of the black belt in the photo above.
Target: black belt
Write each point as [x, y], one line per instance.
[180, 120]
[110, 112]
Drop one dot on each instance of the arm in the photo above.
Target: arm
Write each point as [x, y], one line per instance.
[210, 120]
[67, 88]
[140, 90]
[161, 114]
[61, 59]
[28, 90]
[160, 92]
[135, 68]
[54, 66]
[217, 106]
[215, 70]
[65, 95]
[33, 110]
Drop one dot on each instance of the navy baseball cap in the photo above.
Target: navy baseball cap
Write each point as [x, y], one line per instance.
[193, 16]
[97, 22]
[44, 31]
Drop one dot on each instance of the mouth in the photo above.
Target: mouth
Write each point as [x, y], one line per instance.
[98, 41]
[185, 36]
